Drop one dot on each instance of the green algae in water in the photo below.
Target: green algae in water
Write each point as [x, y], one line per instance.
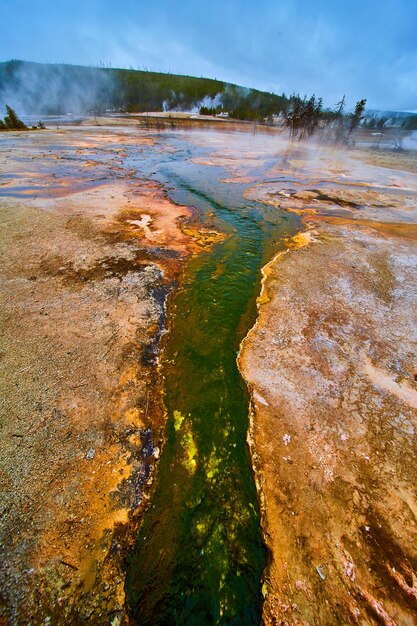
[199, 555]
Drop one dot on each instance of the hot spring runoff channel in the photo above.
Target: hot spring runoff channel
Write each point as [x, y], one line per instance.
[199, 555]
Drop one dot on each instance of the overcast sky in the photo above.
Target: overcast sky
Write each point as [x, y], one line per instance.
[364, 48]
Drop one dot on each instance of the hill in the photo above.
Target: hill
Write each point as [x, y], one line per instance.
[406, 120]
[49, 89]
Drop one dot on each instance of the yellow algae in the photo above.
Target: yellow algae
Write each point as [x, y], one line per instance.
[300, 240]
[178, 420]
[187, 442]
[202, 527]
[301, 211]
[212, 465]
[263, 297]
[203, 236]
[190, 449]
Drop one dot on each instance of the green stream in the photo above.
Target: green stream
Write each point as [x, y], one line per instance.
[199, 555]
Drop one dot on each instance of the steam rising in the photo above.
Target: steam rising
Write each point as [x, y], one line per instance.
[210, 103]
[410, 142]
[50, 89]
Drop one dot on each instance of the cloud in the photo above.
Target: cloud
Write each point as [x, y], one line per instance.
[364, 49]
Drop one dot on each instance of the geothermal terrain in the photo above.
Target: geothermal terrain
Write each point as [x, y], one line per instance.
[109, 232]
[331, 364]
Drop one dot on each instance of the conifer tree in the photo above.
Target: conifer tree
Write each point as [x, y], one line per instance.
[356, 117]
[12, 122]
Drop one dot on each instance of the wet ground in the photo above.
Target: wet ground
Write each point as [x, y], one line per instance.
[100, 224]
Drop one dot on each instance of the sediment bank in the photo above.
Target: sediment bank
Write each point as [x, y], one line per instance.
[331, 368]
[90, 251]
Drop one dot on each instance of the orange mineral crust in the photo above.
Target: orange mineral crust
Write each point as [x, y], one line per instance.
[331, 365]
[89, 253]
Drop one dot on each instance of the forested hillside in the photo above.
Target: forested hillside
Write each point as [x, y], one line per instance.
[33, 88]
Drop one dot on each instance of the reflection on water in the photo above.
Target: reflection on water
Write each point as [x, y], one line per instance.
[199, 555]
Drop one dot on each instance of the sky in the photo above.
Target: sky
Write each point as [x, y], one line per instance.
[361, 48]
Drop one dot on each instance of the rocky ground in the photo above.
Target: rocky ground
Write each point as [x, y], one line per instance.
[332, 367]
[89, 252]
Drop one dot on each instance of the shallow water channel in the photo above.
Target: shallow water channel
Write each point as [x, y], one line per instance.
[199, 555]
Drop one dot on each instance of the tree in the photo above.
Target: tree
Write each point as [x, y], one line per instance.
[337, 128]
[356, 117]
[293, 115]
[340, 125]
[12, 122]
[397, 142]
[340, 107]
[302, 116]
[311, 116]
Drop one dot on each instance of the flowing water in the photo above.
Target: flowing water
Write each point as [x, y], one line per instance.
[199, 555]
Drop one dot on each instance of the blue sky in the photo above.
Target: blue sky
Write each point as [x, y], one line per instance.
[328, 47]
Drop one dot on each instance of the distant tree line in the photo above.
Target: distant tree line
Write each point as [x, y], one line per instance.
[59, 89]
[410, 123]
[54, 89]
[406, 122]
[375, 123]
[210, 110]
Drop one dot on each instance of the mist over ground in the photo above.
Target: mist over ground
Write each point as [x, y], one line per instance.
[53, 89]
